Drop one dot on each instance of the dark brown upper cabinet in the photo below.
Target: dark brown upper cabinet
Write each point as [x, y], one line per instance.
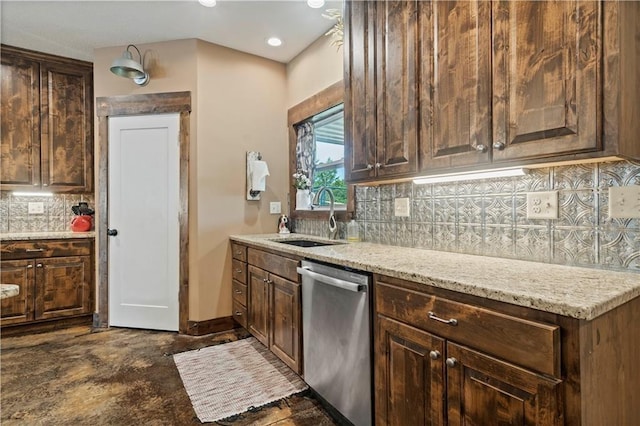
[381, 114]
[462, 85]
[47, 122]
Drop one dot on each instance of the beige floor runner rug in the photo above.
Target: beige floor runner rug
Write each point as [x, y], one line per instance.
[229, 379]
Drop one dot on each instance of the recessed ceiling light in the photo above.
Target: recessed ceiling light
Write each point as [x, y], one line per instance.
[207, 3]
[274, 41]
[316, 4]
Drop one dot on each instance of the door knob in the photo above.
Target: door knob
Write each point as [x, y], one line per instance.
[112, 232]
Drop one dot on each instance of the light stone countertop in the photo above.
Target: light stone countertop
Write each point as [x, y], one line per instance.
[581, 293]
[15, 236]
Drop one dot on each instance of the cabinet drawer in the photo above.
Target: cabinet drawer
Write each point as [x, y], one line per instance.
[240, 314]
[239, 252]
[530, 344]
[279, 265]
[239, 271]
[239, 293]
[12, 250]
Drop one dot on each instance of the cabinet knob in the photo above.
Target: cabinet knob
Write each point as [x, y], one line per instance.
[238, 271]
[29, 266]
[238, 313]
[379, 165]
[39, 265]
[44, 184]
[451, 362]
[499, 146]
[481, 148]
[434, 354]
[369, 166]
[238, 291]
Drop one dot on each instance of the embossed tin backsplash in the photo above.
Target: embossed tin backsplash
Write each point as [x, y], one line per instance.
[57, 215]
[488, 217]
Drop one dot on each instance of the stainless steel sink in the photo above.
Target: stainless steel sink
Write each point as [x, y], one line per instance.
[307, 243]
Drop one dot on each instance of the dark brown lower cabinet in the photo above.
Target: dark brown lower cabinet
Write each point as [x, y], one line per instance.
[274, 305]
[55, 280]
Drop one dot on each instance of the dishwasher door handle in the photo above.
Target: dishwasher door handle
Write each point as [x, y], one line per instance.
[336, 282]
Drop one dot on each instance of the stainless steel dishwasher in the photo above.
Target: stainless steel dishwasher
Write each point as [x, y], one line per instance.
[337, 338]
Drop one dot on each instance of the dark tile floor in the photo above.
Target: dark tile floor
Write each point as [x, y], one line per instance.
[80, 376]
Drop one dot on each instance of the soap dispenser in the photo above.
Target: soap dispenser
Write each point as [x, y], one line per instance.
[353, 232]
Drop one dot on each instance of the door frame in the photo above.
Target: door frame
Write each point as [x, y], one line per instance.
[157, 103]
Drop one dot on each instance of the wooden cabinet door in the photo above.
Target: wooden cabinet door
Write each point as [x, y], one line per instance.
[20, 123]
[396, 83]
[455, 90]
[18, 308]
[67, 117]
[63, 287]
[360, 90]
[258, 304]
[545, 78]
[286, 325]
[482, 390]
[409, 383]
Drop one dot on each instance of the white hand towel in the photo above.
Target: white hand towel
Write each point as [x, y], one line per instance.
[259, 173]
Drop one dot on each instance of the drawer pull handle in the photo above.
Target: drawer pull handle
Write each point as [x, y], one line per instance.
[434, 354]
[451, 362]
[238, 271]
[238, 291]
[434, 317]
[34, 250]
[238, 313]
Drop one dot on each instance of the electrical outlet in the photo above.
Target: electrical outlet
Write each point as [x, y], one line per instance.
[624, 202]
[275, 207]
[401, 207]
[36, 207]
[542, 205]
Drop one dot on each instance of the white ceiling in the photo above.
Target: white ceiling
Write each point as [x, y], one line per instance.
[75, 28]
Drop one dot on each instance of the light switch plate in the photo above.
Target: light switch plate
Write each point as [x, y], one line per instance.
[36, 207]
[624, 202]
[275, 207]
[542, 205]
[401, 207]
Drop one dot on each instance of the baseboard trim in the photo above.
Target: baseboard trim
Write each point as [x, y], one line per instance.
[216, 325]
[44, 326]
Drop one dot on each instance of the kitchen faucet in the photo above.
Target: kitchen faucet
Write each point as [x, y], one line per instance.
[333, 226]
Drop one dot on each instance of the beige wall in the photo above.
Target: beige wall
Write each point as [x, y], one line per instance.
[314, 69]
[238, 104]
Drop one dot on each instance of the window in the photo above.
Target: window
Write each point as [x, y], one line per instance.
[320, 154]
[325, 165]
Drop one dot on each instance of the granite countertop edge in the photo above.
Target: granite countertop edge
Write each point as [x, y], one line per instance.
[576, 292]
[51, 235]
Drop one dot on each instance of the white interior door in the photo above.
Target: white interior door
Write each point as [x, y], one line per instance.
[144, 175]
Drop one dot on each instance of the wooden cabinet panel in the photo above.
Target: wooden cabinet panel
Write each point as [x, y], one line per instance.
[239, 271]
[19, 308]
[67, 119]
[360, 90]
[285, 327]
[240, 313]
[279, 265]
[239, 252]
[63, 287]
[239, 291]
[456, 83]
[13, 250]
[531, 344]
[482, 390]
[20, 123]
[409, 385]
[258, 304]
[545, 78]
[396, 63]
[47, 122]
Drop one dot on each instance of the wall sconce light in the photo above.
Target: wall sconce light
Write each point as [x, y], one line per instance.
[455, 177]
[126, 66]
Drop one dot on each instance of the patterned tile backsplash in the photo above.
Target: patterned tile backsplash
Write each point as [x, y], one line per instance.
[57, 215]
[488, 217]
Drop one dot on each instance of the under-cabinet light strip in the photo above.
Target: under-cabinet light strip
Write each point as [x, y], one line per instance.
[455, 177]
[32, 194]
